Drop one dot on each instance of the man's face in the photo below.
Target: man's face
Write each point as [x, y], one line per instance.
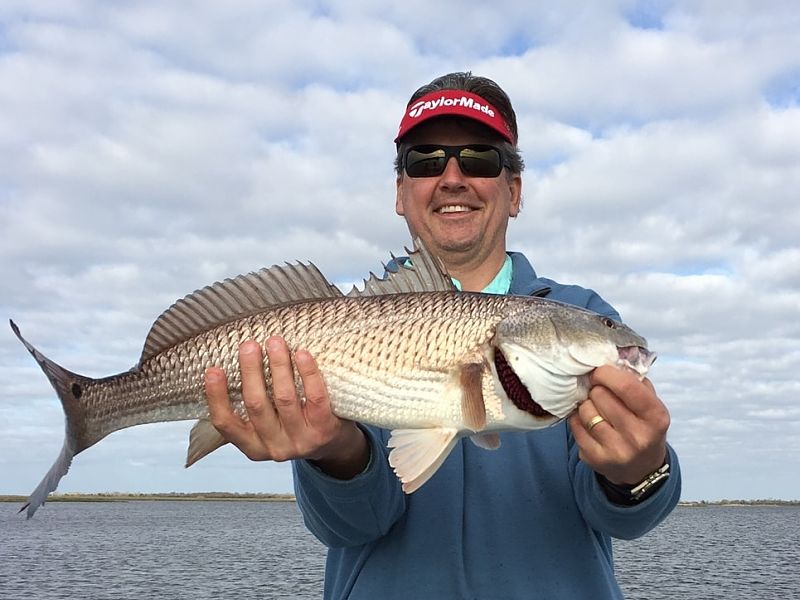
[460, 218]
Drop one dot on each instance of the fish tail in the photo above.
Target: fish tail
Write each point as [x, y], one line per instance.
[69, 387]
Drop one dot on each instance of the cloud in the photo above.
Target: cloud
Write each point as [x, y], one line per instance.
[145, 155]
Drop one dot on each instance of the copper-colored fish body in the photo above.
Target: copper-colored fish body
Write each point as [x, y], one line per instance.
[432, 366]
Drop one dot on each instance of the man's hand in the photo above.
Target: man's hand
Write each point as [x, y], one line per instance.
[631, 440]
[285, 426]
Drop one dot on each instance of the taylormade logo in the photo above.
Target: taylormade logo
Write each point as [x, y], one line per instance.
[421, 107]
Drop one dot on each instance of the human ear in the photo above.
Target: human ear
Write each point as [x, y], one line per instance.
[515, 189]
[398, 202]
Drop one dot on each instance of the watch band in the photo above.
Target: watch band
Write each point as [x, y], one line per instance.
[630, 495]
[639, 492]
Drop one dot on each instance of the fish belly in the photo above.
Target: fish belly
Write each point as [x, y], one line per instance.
[414, 399]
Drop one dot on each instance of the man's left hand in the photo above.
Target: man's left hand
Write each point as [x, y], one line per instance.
[631, 440]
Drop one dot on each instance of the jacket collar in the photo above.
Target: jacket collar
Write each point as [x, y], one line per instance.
[524, 281]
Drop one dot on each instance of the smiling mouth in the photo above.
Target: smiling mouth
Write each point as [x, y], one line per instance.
[453, 208]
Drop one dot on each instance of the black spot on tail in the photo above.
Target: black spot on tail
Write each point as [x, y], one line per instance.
[514, 387]
[69, 386]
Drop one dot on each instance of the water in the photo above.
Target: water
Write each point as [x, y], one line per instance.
[715, 553]
[243, 550]
[165, 549]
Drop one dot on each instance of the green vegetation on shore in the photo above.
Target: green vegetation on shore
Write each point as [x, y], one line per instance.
[128, 497]
[763, 502]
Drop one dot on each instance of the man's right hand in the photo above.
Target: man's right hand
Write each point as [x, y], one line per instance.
[286, 426]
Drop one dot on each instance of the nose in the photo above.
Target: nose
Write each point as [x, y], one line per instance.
[452, 177]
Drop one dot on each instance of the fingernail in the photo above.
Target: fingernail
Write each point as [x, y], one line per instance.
[274, 343]
[212, 375]
[249, 347]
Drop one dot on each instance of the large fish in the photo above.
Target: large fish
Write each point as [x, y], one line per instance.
[408, 353]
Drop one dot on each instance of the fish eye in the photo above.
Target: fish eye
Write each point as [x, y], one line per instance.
[609, 322]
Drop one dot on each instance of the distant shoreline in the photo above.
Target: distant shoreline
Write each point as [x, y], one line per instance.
[738, 503]
[130, 497]
[255, 497]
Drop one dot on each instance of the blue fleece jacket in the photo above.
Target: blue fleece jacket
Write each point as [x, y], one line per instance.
[528, 520]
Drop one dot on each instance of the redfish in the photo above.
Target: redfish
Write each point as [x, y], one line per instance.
[409, 353]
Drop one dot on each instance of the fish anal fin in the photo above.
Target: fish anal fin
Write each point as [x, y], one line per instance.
[487, 441]
[418, 453]
[473, 409]
[203, 440]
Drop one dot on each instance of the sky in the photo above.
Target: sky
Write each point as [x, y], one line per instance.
[150, 148]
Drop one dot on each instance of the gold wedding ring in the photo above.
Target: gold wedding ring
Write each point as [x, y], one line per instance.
[595, 420]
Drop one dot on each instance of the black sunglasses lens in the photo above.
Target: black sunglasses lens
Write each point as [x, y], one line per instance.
[474, 161]
[478, 162]
[425, 161]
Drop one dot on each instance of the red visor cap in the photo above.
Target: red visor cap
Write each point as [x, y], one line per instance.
[453, 103]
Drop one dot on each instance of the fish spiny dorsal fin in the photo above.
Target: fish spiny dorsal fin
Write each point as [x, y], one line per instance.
[422, 272]
[235, 298]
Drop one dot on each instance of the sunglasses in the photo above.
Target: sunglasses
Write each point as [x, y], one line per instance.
[475, 160]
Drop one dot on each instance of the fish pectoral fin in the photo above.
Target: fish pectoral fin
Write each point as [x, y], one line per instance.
[203, 440]
[418, 453]
[487, 441]
[473, 409]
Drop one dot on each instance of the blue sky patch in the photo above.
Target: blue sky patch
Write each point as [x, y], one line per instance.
[647, 14]
[784, 90]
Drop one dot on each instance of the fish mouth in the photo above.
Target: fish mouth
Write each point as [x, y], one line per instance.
[515, 389]
[636, 358]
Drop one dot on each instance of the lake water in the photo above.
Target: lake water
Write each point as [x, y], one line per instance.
[243, 550]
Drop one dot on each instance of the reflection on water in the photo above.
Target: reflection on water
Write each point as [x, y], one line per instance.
[205, 550]
[715, 553]
[164, 549]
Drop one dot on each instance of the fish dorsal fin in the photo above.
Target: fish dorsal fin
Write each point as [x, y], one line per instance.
[423, 272]
[235, 298]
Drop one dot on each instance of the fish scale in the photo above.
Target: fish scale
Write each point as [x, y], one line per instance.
[364, 380]
[409, 353]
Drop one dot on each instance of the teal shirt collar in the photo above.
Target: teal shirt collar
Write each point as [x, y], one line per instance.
[501, 282]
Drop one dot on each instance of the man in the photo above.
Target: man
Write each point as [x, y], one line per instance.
[533, 519]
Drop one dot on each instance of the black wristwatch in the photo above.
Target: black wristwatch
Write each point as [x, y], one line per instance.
[630, 495]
